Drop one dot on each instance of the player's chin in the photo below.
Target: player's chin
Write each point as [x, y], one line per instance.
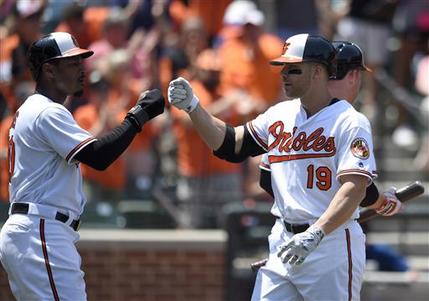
[78, 93]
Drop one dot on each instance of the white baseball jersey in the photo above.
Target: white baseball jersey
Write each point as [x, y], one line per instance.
[44, 138]
[307, 156]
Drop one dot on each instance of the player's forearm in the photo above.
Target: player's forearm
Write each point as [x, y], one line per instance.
[211, 129]
[101, 153]
[344, 203]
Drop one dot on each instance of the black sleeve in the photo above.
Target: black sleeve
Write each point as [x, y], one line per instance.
[227, 150]
[371, 196]
[102, 152]
[265, 182]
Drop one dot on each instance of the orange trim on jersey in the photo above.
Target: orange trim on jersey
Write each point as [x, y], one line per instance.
[349, 255]
[264, 165]
[78, 147]
[356, 171]
[276, 159]
[255, 136]
[47, 264]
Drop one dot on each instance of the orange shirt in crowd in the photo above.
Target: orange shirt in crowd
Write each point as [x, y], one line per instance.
[114, 176]
[91, 30]
[210, 12]
[143, 141]
[4, 170]
[250, 70]
[194, 158]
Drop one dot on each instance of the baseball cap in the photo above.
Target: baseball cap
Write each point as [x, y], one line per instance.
[243, 12]
[306, 48]
[349, 56]
[59, 45]
[55, 45]
[28, 8]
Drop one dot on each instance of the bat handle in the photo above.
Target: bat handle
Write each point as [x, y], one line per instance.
[403, 194]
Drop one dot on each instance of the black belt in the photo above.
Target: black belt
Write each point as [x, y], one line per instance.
[23, 208]
[295, 228]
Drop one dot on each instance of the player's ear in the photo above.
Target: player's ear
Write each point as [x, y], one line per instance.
[49, 70]
[317, 71]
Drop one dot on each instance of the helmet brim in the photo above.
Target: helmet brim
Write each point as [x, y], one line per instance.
[285, 59]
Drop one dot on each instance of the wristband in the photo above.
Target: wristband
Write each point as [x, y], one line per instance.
[138, 117]
[192, 105]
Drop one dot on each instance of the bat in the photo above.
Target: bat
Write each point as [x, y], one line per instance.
[403, 194]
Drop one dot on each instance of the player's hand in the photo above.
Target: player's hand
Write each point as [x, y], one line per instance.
[391, 205]
[152, 102]
[300, 246]
[181, 96]
[149, 105]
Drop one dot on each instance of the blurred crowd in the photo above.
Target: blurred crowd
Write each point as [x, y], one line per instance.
[223, 48]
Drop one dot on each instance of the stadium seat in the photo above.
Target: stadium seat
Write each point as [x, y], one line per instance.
[144, 214]
[248, 225]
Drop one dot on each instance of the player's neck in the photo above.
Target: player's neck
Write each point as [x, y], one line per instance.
[314, 103]
[52, 94]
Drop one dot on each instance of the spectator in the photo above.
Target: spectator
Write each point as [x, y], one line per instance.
[83, 23]
[21, 92]
[27, 28]
[422, 86]
[100, 118]
[411, 27]
[246, 51]
[206, 182]
[210, 12]
[178, 58]
[368, 24]
[139, 160]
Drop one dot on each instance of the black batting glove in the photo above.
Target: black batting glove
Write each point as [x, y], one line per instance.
[150, 104]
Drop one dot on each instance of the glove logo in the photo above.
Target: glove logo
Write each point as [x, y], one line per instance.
[360, 149]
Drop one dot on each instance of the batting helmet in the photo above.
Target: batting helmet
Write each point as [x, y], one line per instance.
[349, 56]
[307, 48]
[53, 46]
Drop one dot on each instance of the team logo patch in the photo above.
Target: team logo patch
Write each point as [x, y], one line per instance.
[360, 148]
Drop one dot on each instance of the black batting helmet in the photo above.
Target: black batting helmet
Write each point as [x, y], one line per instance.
[53, 46]
[349, 56]
[307, 48]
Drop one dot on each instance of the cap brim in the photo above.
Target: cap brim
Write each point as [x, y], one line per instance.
[366, 68]
[281, 60]
[85, 53]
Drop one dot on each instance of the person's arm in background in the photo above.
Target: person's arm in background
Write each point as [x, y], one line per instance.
[106, 149]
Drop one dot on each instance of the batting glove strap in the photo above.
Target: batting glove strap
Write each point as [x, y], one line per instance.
[391, 204]
[192, 105]
[300, 246]
[181, 96]
[138, 117]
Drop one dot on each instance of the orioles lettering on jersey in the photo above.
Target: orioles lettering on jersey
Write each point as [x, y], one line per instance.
[315, 144]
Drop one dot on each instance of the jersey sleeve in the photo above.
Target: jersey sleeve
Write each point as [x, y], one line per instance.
[258, 129]
[62, 133]
[265, 163]
[356, 152]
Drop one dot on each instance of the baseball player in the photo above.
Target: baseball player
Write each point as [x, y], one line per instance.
[346, 85]
[37, 242]
[321, 156]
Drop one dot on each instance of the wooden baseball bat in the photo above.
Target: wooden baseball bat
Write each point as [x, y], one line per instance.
[403, 194]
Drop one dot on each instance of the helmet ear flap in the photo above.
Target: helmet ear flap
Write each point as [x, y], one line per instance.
[332, 69]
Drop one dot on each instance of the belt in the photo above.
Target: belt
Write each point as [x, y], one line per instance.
[295, 228]
[23, 208]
